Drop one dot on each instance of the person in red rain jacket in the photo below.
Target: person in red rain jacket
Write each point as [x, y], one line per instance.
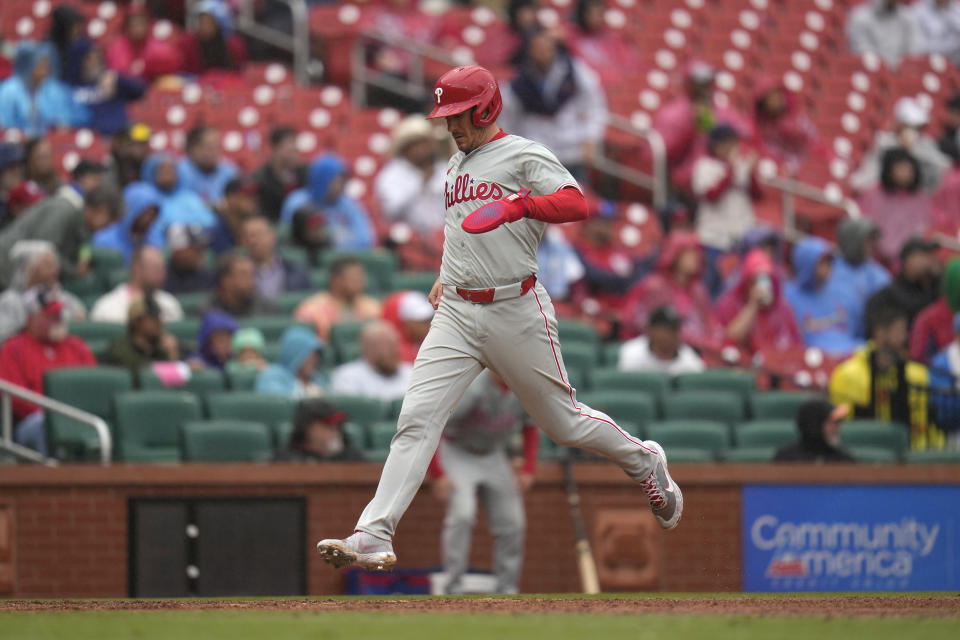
[676, 281]
[25, 357]
[781, 130]
[410, 312]
[754, 312]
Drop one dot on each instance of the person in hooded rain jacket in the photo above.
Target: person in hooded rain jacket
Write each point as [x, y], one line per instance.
[821, 303]
[347, 223]
[33, 99]
[294, 373]
[141, 208]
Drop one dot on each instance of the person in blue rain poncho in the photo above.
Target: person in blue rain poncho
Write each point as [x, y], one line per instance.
[345, 220]
[822, 304]
[141, 208]
[176, 203]
[294, 374]
[33, 99]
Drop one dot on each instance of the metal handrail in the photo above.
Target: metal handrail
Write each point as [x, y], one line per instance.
[791, 189]
[411, 86]
[8, 389]
[658, 183]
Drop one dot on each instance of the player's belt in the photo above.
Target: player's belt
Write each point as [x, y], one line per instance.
[494, 294]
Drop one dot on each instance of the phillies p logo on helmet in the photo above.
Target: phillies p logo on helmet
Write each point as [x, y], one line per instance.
[466, 88]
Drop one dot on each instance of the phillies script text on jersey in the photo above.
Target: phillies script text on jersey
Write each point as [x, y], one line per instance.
[465, 191]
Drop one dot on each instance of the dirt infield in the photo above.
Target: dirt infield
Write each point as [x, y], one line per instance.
[818, 606]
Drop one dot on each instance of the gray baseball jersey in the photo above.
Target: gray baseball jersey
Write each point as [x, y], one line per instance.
[499, 168]
[486, 418]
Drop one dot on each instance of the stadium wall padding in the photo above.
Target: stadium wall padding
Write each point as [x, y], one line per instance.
[64, 530]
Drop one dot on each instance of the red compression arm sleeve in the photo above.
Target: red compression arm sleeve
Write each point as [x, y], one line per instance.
[531, 447]
[565, 205]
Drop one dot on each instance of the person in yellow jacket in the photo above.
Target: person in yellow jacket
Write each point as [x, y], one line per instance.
[878, 381]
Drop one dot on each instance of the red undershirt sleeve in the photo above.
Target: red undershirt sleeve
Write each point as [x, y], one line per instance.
[564, 205]
[435, 470]
[531, 447]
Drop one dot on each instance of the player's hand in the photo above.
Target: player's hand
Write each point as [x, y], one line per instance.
[524, 481]
[436, 292]
[441, 489]
[493, 214]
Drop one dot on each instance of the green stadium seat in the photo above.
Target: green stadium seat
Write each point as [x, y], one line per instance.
[226, 441]
[347, 352]
[117, 277]
[579, 332]
[294, 254]
[765, 433]
[549, 450]
[743, 382]
[357, 434]
[285, 303]
[192, 303]
[242, 379]
[381, 433]
[750, 454]
[148, 424]
[248, 405]
[89, 288]
[380, 266]
[319, 279]
[90, 389]
[394, 411]
[875, 433]
[90, 330]
[345, 340]
[613, 379]
[376, 455]
[694, 455]
[777, 405]
[578, 359]
[359, 408]
[272, 327]
[712, 436]
[869, 454]
[185, 330]
[414, 280]
[99, 348]
[202, 383]
[724, 406]
[281, 434]
[105, 261]
[611, 354]
[934, 456]
[623, 406]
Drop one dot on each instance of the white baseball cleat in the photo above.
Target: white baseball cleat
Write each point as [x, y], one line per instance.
[664, 495]
[361, 550]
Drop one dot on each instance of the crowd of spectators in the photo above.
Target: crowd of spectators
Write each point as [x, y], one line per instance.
[879, 299]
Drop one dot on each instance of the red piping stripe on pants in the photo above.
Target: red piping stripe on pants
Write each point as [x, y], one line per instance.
[546, 325]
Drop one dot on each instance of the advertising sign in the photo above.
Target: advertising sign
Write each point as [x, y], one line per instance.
[851, 538]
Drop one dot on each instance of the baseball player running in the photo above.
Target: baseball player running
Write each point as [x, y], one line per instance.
[473, 462]
[501, 192]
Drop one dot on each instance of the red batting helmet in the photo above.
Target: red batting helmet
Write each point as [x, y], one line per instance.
[464, 87]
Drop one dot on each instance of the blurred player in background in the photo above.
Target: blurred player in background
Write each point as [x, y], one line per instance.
[472, 464]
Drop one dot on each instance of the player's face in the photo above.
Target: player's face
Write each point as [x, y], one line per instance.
[466, 135]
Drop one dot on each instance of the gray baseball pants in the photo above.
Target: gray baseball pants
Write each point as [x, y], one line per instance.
[517, 338]
[489, 478]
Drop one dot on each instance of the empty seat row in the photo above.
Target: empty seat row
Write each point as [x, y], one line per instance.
[757, 441]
